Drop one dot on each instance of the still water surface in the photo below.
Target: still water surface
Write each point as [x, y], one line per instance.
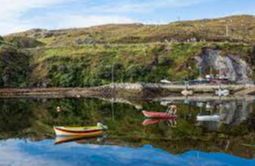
[211, 132]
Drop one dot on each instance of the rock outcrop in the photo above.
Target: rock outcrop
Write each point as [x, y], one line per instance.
[228, 66]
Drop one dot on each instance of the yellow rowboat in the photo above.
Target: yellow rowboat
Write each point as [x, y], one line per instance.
[79, 139]
[79, 131]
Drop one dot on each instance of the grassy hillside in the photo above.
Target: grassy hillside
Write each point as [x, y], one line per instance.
[93, 65]
[135, 52]
[235, 29]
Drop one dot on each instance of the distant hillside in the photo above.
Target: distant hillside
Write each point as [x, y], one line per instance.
[137, 53]
[234, 29]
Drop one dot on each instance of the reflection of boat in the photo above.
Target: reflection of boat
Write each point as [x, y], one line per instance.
[186, 92]
[165, 103]
[222, 92]
[200, 104]
[79, 131]
[78, 139]
[208, 118]
[161, 115]
[148, 122]
[208, 106]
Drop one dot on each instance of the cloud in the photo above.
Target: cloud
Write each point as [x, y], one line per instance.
[15, 8]
[12, 11]
[141, 6]
[20, 15]
[61, 21]
[91, 20]
[12, 16]
[12, 154]
[72, 20]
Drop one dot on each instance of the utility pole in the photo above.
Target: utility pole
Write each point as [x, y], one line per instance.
[112, 74]
[227, 30]
[113, 93]
[113, 84]
[200, 72]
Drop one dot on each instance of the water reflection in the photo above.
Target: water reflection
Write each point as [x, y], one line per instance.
[45, 153]
[169, 122]
[33, 119]
[79, 139]
[214, 114]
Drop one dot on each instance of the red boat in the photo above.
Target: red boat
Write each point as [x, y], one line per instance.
[147, 122]
[160, 115]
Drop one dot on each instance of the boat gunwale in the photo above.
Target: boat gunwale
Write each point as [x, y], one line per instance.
[78, 131]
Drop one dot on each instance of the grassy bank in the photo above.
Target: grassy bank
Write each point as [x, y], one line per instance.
[92, 65]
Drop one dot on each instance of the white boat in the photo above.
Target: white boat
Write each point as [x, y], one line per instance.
[165, 81]
[165, 103]
[80, 131]
[203, 118]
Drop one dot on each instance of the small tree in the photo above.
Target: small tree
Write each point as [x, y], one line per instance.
[253, 55]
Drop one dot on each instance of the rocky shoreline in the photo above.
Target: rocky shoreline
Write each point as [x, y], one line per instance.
[126, 90]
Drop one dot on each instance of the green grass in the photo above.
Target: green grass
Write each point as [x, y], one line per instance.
[91, 65]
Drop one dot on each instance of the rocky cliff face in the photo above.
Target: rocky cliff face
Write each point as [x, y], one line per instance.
[232, 67]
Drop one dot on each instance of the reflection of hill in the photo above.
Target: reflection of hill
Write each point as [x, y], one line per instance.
[123, 101]
[205, 98]
[34, 119]
[15, 116]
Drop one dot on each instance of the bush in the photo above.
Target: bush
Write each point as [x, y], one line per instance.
[14, 67]
[23, 42]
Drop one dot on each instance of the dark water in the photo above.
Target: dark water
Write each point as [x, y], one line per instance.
[223, 134]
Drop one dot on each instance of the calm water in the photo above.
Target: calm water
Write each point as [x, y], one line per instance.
[211, 132]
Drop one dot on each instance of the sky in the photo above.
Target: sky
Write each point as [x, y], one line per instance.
[20, 15]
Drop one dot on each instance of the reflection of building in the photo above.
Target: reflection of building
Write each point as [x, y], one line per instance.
[229, 113]
[210, 125]
[236, 112]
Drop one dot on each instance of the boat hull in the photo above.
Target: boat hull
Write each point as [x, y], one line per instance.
[204, 118]
[64, 131]
[160, 115]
